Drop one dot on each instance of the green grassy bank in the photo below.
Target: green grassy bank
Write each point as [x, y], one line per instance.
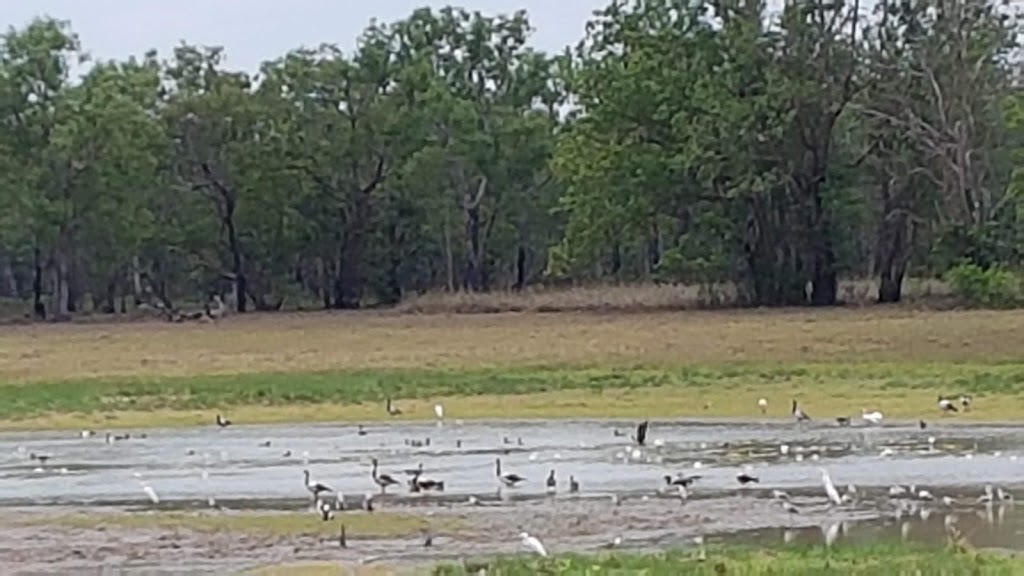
[877, 560]
[900, 390]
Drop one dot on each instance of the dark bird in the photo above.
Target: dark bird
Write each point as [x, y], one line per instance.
[314, 487]
[392, 409]
[509, 480]
[965, 401]
[341, 537]
[222, 421]
[427, 484]
[799, 413]
[552, 484]
[641, 433]
[922, 424]
[843, 421]
[360, 430]
[745, 478]
[574, 486]
[947, 405]
[681, 480]
[382, 480]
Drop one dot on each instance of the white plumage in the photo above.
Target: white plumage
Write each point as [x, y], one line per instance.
[872, 417]
[830, 488]
[439, 411]
[533, 544]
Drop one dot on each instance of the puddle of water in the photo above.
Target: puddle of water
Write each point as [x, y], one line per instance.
[993, 526]
[239, 467]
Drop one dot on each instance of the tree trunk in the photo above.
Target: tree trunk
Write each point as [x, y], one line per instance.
[110, 295]
[323, 284]
[392, 293]
[824, 277]
[448, 256]
[893, 254]
[38, 307]
[775, 267]
[136, 280]
[348, 293]
[8, 281]
[61, 290]
[473, 278]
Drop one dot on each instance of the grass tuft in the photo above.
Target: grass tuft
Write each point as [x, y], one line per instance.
[874, 560]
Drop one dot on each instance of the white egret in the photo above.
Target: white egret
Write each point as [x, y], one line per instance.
[533, 544]
[872, 417]
[830, 488]
[763, 405]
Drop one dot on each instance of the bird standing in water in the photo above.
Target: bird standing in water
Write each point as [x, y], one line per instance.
[641, 433]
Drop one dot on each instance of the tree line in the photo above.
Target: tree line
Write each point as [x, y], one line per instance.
[698, 142]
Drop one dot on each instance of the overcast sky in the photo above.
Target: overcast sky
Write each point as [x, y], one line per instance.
[253, 31]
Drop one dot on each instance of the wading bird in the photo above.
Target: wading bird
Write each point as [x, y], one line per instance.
[947, 405]
[222, 421]
[799, 413]
[871, 417]
[830, 488]
[509, 480]
[392, 409]
[763, 405]
[314, 487]
[533, 544]
[641, 433]
[382, 480]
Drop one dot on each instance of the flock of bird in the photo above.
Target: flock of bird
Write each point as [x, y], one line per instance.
[906, 499]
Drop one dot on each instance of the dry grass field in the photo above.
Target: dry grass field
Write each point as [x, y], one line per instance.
[310, 342]
[339, 366]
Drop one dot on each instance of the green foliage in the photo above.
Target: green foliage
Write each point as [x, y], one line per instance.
[877, 559]
[702, 142]
[991, 287]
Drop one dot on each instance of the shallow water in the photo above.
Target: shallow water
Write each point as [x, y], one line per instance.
[996, 526]
[234, 466]
[954, 458]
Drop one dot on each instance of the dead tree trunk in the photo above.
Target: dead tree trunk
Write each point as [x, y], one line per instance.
[474, 275]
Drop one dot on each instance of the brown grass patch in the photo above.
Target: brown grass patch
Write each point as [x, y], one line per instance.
[349, 341]
[642, 298]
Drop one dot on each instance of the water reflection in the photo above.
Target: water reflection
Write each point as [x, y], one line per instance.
[993, 525]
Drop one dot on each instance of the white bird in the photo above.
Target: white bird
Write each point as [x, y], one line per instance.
[872, 417]
[439, 411]
[533, 544]
[830, 488]
[925, 495]
[763, 405]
